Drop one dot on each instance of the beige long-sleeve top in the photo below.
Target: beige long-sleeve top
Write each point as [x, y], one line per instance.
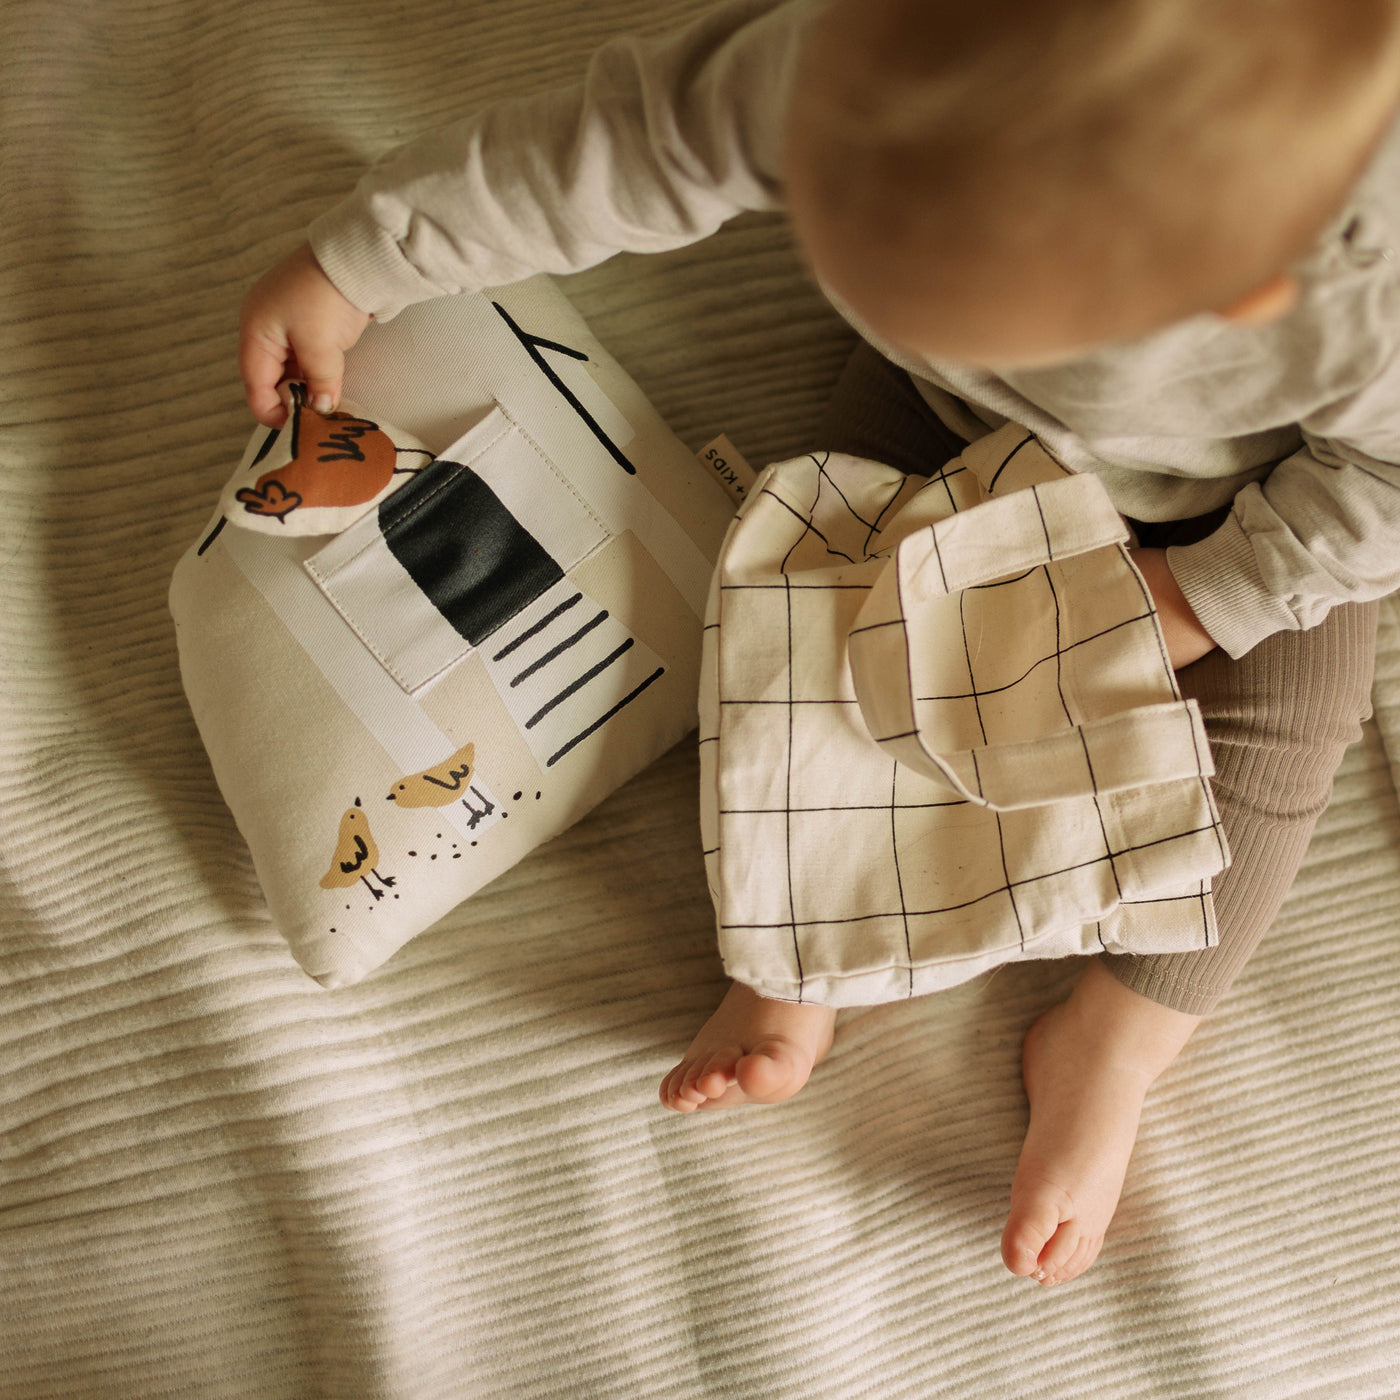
[1296, 422]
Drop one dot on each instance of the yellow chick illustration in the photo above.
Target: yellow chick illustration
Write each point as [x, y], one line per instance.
[355, 853]
[443, 784]
[439, 785]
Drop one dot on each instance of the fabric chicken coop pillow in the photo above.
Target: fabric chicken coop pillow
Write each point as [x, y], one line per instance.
[428, 631]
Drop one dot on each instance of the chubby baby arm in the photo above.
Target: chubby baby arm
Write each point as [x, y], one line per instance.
[295, 324]
[1186, 639]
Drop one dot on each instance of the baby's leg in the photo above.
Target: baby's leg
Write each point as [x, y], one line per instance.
[1279, 720]
[752, 1050]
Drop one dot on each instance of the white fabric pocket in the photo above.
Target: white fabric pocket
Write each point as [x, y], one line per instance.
[910, 638]
[441, 566]
[940, 732]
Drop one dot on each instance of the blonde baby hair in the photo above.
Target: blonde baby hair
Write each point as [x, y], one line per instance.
[1177, 151]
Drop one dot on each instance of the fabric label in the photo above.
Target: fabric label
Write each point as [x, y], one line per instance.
[729, 468]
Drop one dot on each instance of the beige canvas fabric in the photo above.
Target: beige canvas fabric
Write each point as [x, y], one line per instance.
[452, 1181]
[491, 641]
[940, 731]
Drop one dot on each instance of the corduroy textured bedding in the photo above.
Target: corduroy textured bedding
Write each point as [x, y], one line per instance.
[454, 1179]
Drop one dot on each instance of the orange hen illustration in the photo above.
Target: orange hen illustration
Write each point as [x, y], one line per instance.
[337, 460]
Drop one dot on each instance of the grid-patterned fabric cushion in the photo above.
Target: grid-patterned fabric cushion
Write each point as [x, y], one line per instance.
[940, 731]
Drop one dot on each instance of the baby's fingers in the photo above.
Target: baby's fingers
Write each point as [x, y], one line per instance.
[322, 365]
[295, 323]
[262, 363]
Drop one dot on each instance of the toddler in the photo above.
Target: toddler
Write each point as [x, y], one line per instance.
[1157, 233]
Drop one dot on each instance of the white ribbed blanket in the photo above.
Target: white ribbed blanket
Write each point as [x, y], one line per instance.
[453, 1180]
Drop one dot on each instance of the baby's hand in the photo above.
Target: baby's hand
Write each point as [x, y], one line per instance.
[295, 325]
[1186, 639]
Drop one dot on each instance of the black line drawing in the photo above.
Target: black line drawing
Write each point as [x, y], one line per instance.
[533, 344]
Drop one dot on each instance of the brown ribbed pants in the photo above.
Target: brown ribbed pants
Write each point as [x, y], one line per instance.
[1279, 718]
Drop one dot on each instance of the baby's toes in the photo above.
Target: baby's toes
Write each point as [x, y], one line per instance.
[772, 1071]
[715, 1074]
[678, 1090]
[1034, 1219]
[1069, 1254]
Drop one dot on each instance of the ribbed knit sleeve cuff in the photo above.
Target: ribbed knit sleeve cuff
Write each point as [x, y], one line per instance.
[1221, 579]
[365, 262]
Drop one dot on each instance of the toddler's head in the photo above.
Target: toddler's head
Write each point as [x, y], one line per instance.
[1009, 181]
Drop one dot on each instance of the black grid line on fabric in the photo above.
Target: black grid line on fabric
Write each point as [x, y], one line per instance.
[875, 528]
[810, 529]
[898, 876]
[1005, 869]
[787, 824]
[1059, 648]
[876, 626]
[948, 490]
[1165, 899]
[971, 675]
[840, 807]
[1001, 582]
[794, 588]
[1044, 528]
[1008, 888]
[790, 702]
[1098, 812]
[872, 527]
[897, 498]
[908, 654]
[824, 475]
[1069, 718]
[996, 475]
[938, 557]
[863, 587]
[1059, 652]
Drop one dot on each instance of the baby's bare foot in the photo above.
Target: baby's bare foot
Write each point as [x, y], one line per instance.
[752, 1050]
[1088, 1064]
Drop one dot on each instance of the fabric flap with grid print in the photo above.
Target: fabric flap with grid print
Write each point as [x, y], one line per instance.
[939, 732]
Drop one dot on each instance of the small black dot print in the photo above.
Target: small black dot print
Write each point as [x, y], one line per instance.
[332, 930]
[433, 856]
[473, 843]
[504, 815]
[396, 896]
[456, 855]
[537, 797]
[439, 836]
[347, 906]
[413, 853]
[518, 796]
